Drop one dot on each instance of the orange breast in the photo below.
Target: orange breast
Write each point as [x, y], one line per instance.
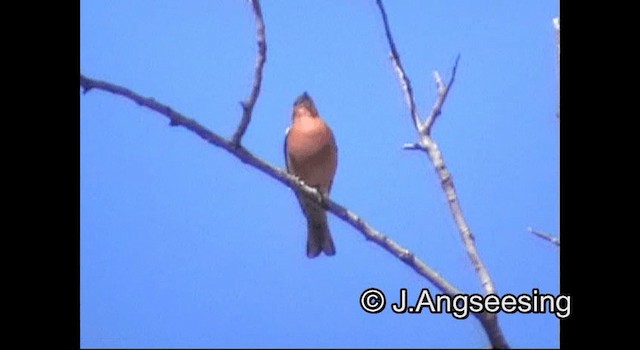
[312, 152]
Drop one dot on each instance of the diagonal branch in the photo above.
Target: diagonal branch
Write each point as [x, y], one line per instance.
[546, 236]
[397, 64]
[370, 233]
[247, 106]
[490, 323]
[427, 143]
[443, 91]
[556, 26]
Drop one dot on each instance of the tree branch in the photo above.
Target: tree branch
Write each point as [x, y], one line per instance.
[443, 91]
[247, 106]
[397, 64]
[556, 26]
[291, 181]
[546, 236]
[428, 144]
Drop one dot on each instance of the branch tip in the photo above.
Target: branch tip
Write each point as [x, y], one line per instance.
[397, 63]
[261, 57]
[546, 236]
[414, 146]
[439, 84]
[455, 65]
[443, 92]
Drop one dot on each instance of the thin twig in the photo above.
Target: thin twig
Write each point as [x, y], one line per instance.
[397, 64]
[428, 144]
[416, 146]
[556, 26]
[291, 181]
[247, 106]
[443, 91]
[546, 236]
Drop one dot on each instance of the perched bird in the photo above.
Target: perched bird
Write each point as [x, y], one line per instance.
[311, 154]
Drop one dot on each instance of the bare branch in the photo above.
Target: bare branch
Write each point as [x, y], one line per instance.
[247, 106]
[446, 181]
[414, 146]
[546, 236]
[291, 181]
[556, 26]
[397, 64]
[443, 91]
[468, 239]
[426, 143]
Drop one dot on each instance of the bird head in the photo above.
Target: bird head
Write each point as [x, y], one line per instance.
[304, 105]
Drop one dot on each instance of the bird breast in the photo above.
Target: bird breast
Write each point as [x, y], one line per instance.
[310, 138]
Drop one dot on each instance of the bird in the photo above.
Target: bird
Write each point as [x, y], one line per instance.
[311, 153]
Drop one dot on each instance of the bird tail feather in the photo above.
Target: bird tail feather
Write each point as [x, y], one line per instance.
[318, 235]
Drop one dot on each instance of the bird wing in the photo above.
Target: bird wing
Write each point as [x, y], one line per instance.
[286, 156]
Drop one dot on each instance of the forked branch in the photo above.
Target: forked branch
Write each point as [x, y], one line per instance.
[428, 144]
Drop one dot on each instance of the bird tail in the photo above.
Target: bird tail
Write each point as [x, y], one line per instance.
[318, 234]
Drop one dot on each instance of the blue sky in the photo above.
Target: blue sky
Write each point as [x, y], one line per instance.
[183, 245]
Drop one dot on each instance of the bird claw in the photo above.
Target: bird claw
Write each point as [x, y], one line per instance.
[320, 197]
[316, 194]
